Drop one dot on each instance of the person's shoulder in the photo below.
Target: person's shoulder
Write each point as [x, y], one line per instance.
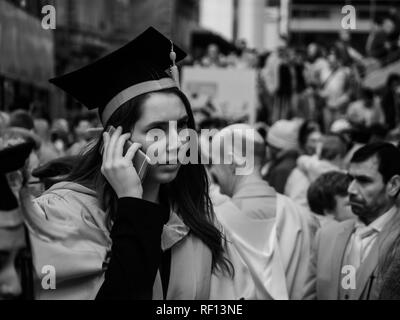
[66, 201]
[297, 176]
[286, 163]
[287, 209]
[333, 229]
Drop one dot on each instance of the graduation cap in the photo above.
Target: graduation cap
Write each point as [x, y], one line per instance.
[144, 65]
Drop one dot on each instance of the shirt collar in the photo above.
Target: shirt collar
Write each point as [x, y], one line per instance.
[378, 224]
[173, 232]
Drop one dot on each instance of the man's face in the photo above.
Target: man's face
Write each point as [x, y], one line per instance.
[367, 191]
[12, 243]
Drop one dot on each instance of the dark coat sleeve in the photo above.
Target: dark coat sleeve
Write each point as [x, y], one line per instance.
[135, 252]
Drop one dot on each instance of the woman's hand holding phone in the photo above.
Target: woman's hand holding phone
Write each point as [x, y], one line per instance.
[117, 168]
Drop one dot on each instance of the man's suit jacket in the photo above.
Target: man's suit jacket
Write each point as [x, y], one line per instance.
[326, 277]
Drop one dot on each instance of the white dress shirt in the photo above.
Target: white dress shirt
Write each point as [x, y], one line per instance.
[364, 237]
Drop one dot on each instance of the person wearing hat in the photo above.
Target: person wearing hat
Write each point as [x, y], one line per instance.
[76, 224]
[278, 231]
[14, 276]
[283, 146]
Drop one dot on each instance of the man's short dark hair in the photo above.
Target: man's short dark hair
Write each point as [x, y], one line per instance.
[388, 157]
[21, 119]
[321, 193]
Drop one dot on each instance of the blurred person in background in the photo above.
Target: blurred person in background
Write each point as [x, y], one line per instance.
[391, 101]
[272, 234]
[300, 107]
[81, 135]
[316, 72]
[392, 40]
[247, 60]
[328, 198]
[283, 151]
[61, 136]
[284, 101]
[21, 119]
[376, 46]
[350, 55]
[278, 77]
[310, 136]
[366, 111]
[317, 66]
[331, 154]
[61, 125]
[329, 157]
[336, 90]
[47, 151]
[21, 128]
[15, 263]
[213, 57]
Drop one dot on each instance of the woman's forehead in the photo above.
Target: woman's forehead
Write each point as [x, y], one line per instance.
[163, 107]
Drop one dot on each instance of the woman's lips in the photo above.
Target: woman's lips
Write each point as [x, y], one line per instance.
[170, 166]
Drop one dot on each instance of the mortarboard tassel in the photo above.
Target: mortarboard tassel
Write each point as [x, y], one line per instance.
[174, 69]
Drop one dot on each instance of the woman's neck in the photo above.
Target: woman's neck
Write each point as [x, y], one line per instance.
[151, 191]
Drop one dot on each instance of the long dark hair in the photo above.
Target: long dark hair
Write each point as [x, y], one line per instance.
[189, 192]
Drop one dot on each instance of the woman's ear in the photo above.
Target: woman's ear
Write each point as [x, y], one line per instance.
[394, 186]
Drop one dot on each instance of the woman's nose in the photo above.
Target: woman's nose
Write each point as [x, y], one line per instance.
[175, 141]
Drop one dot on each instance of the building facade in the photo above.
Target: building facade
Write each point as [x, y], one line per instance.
[26, 57]
[89, 29]
[262, 22]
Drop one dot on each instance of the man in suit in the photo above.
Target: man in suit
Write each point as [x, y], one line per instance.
[348, 254]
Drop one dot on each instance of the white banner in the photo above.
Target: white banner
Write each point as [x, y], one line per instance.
[233, 92]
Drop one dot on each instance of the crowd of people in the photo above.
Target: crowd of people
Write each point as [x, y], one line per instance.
[317, 218]
[323, 82]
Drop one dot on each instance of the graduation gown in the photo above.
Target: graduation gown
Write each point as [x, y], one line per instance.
[68, 232]
[272, 234]
[134, 238]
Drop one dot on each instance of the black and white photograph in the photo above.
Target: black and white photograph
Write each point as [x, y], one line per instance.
[218, 151]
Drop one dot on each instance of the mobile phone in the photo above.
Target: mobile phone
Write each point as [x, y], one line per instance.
[141, 161]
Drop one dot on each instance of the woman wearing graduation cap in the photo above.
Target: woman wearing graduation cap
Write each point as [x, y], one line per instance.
[82, 226]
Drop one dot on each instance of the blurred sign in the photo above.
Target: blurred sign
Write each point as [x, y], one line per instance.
[26, 50]
[232, 92]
